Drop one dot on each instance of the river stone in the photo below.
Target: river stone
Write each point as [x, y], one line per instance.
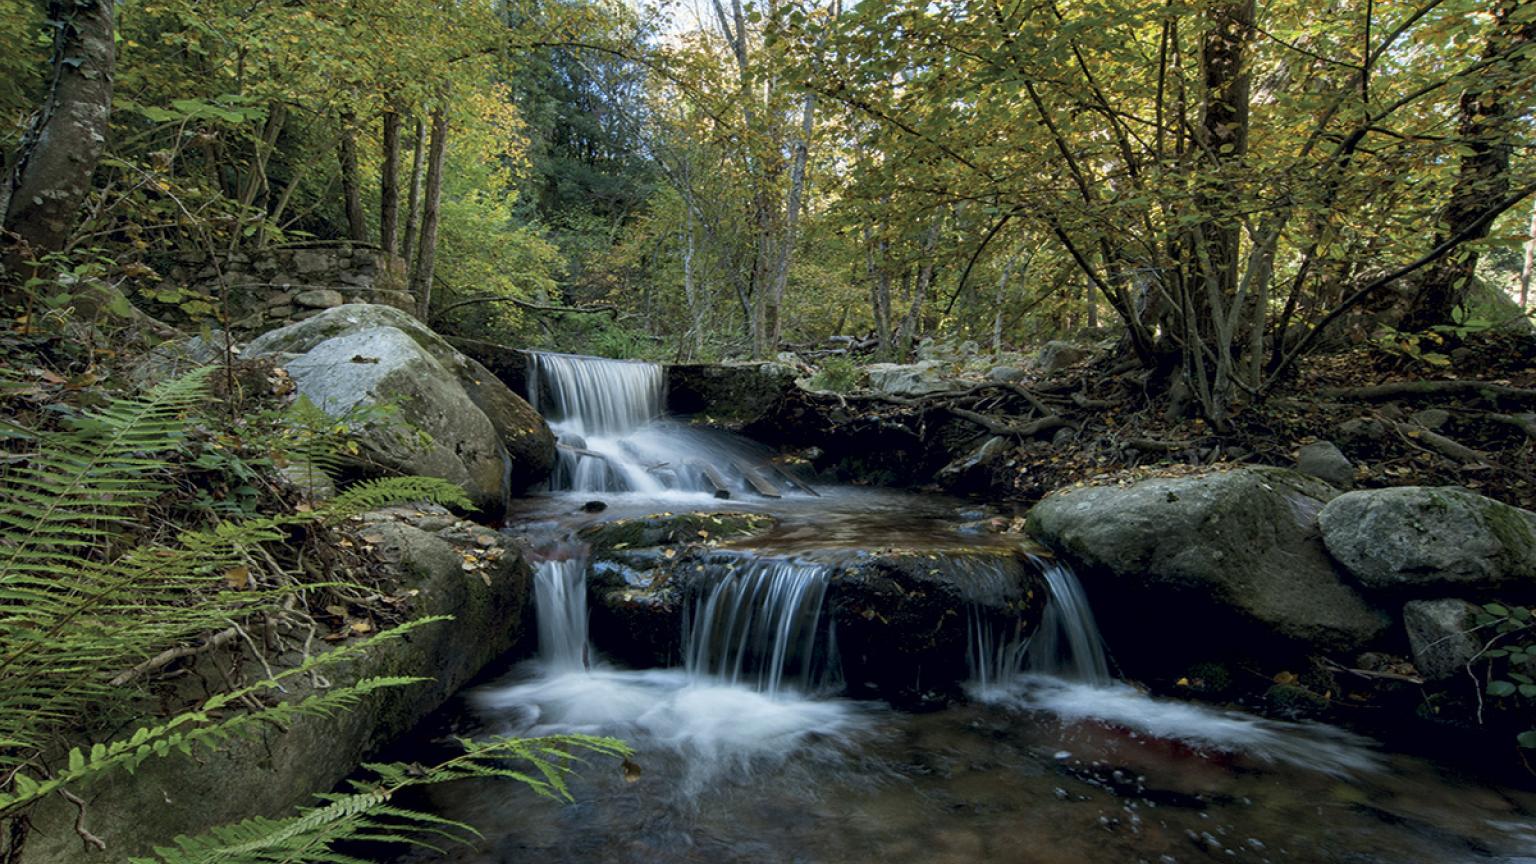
[273, 770]
[1005, 374]
[318, 298]
[1225, 563]
[1440, 634]
[1058, 355]
[909, 379]
[382, 366]
[1423, 539]
[1323, 460]
[523, 435]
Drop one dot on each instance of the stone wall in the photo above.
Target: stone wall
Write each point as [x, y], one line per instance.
[277, 286]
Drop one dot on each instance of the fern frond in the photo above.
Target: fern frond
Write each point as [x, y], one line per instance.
[367, 813]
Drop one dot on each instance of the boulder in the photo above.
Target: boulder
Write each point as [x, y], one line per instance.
[908, 619]
[1323, 460]
[972, 467]
[1224, 563]
[1005, 374]
[382, 366]
[1440, 636]
[735, 394]
[273, 770]
[1058, 355]
[1421, 540]
[318, 298]
[522, 446]
[909, 379]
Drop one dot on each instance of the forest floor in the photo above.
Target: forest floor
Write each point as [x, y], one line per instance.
[1398, 420]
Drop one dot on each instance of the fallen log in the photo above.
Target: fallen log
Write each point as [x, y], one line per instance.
[713, 475]
[581, 451]
[756, 480]
[794, 481]
[1408, 389]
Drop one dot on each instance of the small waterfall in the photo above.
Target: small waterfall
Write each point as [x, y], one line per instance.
[610, 421]
[594, 396]
[761, 624]
[1066, 644]
[560, 600]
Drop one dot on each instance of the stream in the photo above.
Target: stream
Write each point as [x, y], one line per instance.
[751, 748]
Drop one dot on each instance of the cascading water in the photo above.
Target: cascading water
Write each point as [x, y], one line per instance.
[1066, 644]
[761, 624]
[609, 419]
[560, 603]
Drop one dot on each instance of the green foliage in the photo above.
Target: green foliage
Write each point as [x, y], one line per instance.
[366, 812]
[85, 600]
[1510, 652]
[840, 374]
[89, 606]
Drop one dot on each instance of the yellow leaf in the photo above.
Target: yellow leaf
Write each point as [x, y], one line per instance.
[238, 577]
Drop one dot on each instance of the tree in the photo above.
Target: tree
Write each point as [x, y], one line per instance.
[51, 176]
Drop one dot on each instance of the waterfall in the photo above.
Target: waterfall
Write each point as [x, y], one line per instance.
[560, 600]
[610, 421]
[1066, 644]
[760, 623]
[594, 396]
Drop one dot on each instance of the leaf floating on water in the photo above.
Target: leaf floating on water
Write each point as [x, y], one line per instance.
[631, 771]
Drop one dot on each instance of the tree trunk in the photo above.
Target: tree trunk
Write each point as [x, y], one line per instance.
[1212, 307]
[690, 291]
[40, 201]
[413, 194]
[389, 186]
[1530, 261]
[1491, 113]
[351, 187]
[421, 277]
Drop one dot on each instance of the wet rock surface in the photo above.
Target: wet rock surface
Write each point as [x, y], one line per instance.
[1225, 563]
[1422, 540]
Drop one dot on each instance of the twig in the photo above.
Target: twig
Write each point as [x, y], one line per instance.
[170, 655]
[86, 837]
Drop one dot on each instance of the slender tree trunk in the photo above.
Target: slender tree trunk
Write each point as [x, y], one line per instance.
[389, 185]
[1491, 113]
[413, 194]
[1530, 264]
[40, 200]
[421, 277]
[351, 187]
[690, 291]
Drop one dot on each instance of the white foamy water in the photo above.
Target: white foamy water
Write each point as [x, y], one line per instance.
[1306, 745]
[717, 728]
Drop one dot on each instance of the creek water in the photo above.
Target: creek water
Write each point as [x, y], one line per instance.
[750, 751]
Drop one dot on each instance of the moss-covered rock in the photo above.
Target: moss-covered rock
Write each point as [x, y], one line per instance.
[1220, 564]
[730, 394]
[907, 618]
[1422, 540]
[485, 588]
[661, 529]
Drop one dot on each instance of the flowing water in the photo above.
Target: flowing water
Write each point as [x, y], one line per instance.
[750, 754]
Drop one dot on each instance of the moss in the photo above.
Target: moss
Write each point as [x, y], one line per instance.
[1511, 527]
[662, 529]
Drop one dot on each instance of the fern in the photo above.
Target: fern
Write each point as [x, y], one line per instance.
[366, 812]
[75, 606]
[79, 602]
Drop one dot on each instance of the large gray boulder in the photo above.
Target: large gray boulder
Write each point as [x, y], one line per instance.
[910, 379]
[1225, 563]
[1423, 539]
[482, 435]
[1441, 635]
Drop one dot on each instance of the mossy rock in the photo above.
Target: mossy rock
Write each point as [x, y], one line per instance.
[666, 529]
